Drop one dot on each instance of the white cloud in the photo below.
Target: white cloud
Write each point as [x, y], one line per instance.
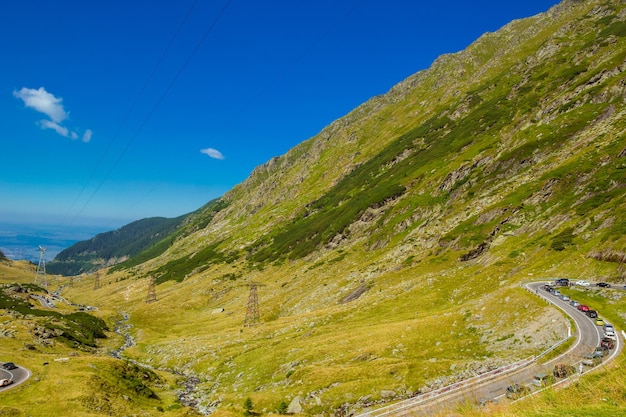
[51, 106]
[87, 135]
[213, 153]
[47, 124]
[43, 102]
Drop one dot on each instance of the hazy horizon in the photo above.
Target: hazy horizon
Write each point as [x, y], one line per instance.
[22, 240]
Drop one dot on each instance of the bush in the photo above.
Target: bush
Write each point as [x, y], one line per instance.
[563, 239]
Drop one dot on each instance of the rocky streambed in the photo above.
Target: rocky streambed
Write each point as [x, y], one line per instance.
[188, 395]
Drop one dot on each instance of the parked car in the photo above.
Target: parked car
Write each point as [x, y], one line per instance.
[609, 332]
[592, 314]
[565, 297]
[603, 285]
[5, 382]
[515, 391]
[574, 303]
[582, 283]
[608, 326]
[599, 321]
[602, 350]
[583, 308]
[562, 282]
[9, 365]
[607, 343]
[556, 293]
[592, 359]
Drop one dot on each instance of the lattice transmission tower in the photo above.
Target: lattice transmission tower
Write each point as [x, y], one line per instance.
[41, 268]
[96, 281]
[151, 290]
[252, 312]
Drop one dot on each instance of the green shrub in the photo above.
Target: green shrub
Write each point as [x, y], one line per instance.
[563, 239]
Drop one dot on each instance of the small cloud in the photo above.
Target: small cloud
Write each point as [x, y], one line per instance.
[213, 153]
[47, 124]
[52, 106]
[43, 102]
[87, 135]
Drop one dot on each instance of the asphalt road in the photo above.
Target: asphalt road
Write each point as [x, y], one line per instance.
[587, 336]
[18, 375]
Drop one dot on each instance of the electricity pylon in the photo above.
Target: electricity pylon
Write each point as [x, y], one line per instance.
[151, 290]
[96, 282]
[41, 268]
[252, 312]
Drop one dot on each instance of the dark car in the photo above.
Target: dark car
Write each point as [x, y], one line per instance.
[562, 282]
[9, 365]
[607, 343]
[592, 359]
[592, 314]
[603, 285]
[602, 350]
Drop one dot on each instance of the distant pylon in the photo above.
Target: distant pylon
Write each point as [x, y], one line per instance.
[41, 268]
[71, 282]
[151, 290]
[96, 282]
[252, 312]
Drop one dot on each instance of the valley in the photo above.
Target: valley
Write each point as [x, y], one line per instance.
[383, 259]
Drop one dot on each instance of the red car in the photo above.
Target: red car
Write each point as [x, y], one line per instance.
[583, 307]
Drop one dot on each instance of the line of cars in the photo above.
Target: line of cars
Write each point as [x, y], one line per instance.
[563, 370]
[607, 342]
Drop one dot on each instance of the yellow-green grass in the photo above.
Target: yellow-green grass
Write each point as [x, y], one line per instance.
[598, 393]
[412, 327]
[66, 381]
[409, 329]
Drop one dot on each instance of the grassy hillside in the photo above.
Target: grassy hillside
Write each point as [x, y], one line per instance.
[387, 252]
[110, 248]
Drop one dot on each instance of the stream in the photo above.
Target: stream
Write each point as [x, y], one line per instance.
[188, 395]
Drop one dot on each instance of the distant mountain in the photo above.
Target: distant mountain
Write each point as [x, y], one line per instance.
[3, 257]
[110, 248]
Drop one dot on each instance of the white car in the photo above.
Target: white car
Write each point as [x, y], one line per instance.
[582, 283]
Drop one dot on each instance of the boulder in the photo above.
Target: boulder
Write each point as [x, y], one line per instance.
[295, 407]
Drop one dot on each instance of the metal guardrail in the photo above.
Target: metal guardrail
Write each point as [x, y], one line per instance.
[411, 402]
[457, 386]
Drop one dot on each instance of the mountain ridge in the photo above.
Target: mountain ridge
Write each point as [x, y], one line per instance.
[388, 249]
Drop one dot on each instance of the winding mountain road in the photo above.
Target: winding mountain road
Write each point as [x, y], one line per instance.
[492, 386]
[17, 375]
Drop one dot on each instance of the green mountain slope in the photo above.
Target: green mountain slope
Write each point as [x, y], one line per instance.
[388, 250]
[484, 132]
[110, 248]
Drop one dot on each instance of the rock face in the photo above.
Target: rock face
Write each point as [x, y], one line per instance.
[44, 336]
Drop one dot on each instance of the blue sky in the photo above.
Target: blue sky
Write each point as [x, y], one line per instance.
[119, 110]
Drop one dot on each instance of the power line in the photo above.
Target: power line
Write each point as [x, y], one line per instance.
[132, 108]
[281, 75]
[156, 105]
